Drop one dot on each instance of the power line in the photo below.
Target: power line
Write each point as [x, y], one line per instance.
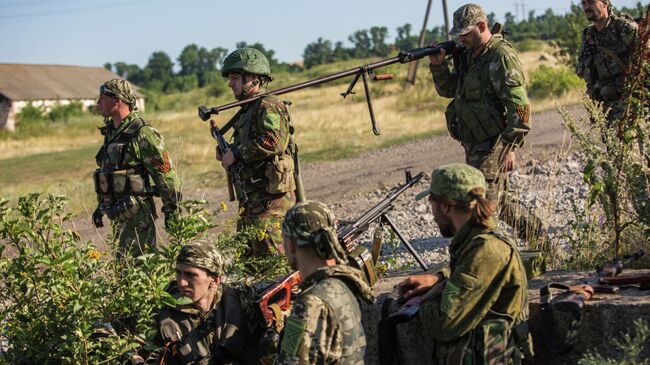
[75, 10]
[20, 4]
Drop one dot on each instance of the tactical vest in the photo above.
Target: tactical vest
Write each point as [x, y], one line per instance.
[497, 340]
[276, 174]
[606, 56]
[348, 317]
[476, 115]
[115, 179]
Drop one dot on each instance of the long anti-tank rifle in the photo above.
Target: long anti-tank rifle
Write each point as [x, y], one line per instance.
[363, 72]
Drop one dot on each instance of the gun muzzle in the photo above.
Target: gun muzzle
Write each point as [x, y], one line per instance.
[205, 112]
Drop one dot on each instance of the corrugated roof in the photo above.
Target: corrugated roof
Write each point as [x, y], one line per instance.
[34, 82]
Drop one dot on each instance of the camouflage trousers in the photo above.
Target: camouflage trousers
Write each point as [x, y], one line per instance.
[265, 214]
[138, 235]
[485, 156]
[488, 344]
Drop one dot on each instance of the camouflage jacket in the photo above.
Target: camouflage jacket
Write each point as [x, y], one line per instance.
[484, 295]
[262, 142]
[325, 324]
[604, 56]
[132, 154]
[219, 336]
[489, 94]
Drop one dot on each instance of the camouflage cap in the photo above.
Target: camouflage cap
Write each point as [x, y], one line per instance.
[466, 17]
[311, 223]
[454, 181]
[121, 90]
[202, 254]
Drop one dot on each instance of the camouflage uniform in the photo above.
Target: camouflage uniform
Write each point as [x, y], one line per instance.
[325, 324]
[489, 111]
[603, 58]
[188, 336]
[480, 315]
[131, 160]
[263, 145]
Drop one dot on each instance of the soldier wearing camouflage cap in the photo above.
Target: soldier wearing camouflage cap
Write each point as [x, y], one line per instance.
[208, 325]
[325, 323]
[485, 276]
[490, 112]
[134, 166]
[263, 147]
[607, 46]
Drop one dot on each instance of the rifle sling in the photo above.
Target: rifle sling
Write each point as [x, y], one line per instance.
[608, 52]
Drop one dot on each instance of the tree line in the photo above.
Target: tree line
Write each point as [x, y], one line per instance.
[199, 66]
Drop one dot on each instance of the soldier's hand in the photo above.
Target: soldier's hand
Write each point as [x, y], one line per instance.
[507, 159]
[438, 58]
[228, 159]
[98, 221]
[218, 153]
[417, 284]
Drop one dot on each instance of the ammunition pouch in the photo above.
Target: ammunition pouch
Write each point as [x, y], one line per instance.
[534, 263]
[116, 185]
[360, 258]
[452, 122]
[124, 210]
[279, 173]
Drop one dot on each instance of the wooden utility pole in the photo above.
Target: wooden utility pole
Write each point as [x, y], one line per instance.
[444, 12]
[413, 66]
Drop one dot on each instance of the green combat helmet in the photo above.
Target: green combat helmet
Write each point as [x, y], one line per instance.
[248, 60]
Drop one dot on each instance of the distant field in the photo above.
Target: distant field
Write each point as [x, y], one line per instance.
[58, 157]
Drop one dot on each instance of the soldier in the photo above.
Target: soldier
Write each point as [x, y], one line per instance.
[490, 112]
[262, 148]
[209, 325]
[607, 45]
[133, 167]
[325, 324]
[479, 306]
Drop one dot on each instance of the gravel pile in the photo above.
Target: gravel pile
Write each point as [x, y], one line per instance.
[547, 187]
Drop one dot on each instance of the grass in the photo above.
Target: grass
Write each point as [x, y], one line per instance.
[59, 157]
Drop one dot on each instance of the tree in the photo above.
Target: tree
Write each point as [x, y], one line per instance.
[404, 40]
[361, 44]
[569, 34]
[317, 53]
[189, 60]
[160, 67]
[378, 37]
[108, 66]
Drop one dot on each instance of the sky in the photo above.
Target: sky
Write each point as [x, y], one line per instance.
[93, 32]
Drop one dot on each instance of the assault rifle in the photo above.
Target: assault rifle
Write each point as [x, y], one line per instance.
[277, 297]
[233, 173]
[364, 72]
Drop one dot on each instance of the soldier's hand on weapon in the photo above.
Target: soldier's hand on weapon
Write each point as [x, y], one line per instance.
[136, 360]
[417, 284]
[437, 58]
[218, 153]
[507, 159]
[228, 159]
[97, 218]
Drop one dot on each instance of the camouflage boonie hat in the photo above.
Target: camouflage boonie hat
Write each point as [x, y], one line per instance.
[311, 223]
[248, 60]
[203, 255]
[454, 181]
[121, 90]
[466, 17]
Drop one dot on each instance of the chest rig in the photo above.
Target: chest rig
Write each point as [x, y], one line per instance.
[117, 179]
[476, 115]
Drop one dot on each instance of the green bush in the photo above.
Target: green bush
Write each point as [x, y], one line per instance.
[63, 113]
[630, 346]
[553, 81]
[31, 113]
[529, 44]
[65, 301]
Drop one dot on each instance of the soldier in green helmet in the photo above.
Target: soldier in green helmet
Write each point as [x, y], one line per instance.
[490, 112]
[325, 323]
[209, 325]
[134, 166]
[263, 149]
[478, 308]
[607, 46]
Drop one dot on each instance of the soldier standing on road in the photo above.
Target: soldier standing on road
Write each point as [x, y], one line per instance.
[490, 111]
[262, 148]
[133, 167]
[325, 323]
[479, 306]
[607, 45]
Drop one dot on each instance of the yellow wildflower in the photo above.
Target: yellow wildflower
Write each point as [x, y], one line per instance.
[224, 207]
[94, 255]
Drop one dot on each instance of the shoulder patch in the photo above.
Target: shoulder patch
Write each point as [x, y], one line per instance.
[293, 330]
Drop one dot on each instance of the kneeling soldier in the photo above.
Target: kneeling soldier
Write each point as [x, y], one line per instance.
[325, 324]
[478, 308]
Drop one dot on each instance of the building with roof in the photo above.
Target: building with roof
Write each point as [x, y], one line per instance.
[49, 85]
